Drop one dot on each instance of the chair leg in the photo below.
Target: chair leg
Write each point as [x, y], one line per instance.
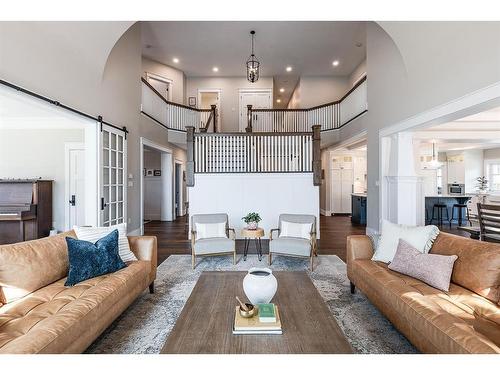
[312, 261]
[193, 260]
[234, 257]
[353, 287]
[152, 288]
[270, 258]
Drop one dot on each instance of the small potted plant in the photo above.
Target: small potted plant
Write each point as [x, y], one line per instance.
[482, 185]
[252, 220]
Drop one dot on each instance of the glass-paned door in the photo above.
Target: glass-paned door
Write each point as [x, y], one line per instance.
[113, 176]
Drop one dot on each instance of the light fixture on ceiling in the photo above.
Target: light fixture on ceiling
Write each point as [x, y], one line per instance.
[282, 89]
[289, 69]
[215, 69]
[434, 163]
[335, 63]
[175, 60]
[278, 100]
[253, 65]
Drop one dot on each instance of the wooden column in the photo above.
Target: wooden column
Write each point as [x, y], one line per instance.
[214, 116]
[316, 155]
[249, 118]
[190, 156]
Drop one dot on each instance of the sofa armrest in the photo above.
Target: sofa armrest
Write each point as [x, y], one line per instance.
[145, 248]
[359, 247]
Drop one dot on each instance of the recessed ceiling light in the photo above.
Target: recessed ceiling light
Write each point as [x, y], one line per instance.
[215, 69]
[359, 44]
[175, 60]
[288, 68]
[282, 89]
[335, 62]
[278, 100]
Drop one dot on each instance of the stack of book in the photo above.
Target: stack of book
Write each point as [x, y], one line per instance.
[266, 322]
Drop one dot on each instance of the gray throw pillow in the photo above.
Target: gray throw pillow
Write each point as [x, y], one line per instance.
[432, 269]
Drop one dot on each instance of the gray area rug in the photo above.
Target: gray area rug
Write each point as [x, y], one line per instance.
[146, 324]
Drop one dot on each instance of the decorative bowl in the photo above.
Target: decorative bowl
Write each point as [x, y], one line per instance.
[248, 314]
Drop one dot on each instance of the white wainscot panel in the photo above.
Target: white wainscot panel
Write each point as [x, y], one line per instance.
[269, 194]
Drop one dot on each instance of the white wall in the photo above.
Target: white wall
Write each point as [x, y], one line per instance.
[322, 89]
[229, 86]
[269, 194]
[175, 75]
[492, 154]
[34, 153]
[357, 73]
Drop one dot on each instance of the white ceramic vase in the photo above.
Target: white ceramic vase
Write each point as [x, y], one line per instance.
[252, 225]
[260, 285]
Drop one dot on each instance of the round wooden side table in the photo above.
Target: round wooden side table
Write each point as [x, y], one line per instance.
[252, 234]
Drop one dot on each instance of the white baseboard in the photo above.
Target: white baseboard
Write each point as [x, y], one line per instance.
[325, 212]
[135, 232]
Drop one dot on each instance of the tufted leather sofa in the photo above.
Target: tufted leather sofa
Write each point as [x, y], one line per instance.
[38, 314]
[464, 320]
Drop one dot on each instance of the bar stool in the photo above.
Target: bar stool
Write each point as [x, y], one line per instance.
[440, 207]
[460, 207]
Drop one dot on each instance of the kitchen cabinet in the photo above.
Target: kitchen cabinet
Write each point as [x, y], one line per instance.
[456, 169]
[342, 184]
[358, 209]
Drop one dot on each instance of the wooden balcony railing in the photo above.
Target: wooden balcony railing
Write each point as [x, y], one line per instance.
[175, 116]
[330, 116]
[296, 152]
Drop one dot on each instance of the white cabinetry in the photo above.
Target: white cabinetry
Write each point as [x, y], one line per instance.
[342, 184]
[456, 169]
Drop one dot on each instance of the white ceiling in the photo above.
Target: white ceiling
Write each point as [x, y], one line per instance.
[478, 131]
[309, 47]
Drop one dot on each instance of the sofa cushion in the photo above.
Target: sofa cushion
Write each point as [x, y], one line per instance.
[88, 260]
[445, 319]
[31, 265]
[59, 319]
[433, 269]
[477, 267]
[213, 246]
[421, 238]
[290, 245]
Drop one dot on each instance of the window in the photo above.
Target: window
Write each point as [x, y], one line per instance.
[493, 175]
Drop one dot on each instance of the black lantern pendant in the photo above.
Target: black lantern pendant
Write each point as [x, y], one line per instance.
[252, 65]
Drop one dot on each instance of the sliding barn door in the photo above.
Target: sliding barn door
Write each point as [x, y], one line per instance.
[113, 178]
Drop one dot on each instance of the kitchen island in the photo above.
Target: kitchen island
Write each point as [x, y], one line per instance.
[449, 200]
[358, 215]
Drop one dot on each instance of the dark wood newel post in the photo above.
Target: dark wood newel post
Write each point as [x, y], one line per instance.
[190, 156]
[214, 116]
[316, 163]
[249, 118]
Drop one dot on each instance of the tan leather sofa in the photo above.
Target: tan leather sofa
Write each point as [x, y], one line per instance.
[38, 314]
[464, 320]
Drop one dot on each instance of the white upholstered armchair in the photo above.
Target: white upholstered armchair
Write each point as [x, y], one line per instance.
[210, 235]
[296, 237]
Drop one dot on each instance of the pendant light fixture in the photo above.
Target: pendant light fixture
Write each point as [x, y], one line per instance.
[434, 162]
[253, 64]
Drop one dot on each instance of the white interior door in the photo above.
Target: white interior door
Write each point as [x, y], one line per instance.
[257, 99]
[346, 190]
[113, 177]
[76, 186]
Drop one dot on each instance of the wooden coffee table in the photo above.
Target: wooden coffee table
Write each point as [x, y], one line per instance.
[206, 322]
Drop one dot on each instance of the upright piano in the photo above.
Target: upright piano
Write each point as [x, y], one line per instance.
[25, 210]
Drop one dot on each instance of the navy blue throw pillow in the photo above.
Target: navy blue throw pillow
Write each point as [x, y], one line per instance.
[88, 260]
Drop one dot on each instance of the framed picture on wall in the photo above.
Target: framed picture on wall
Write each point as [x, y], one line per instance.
[192, 101]
[157, 172]
[149, 173]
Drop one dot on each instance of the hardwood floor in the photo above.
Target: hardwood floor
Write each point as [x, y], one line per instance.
[173, 239]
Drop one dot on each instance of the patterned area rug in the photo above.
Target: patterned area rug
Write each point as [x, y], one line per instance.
[146, 324]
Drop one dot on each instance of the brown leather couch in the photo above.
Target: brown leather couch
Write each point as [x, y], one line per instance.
[38, 314]
[464, 320]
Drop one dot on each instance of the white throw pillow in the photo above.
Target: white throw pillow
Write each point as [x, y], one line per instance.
[93, 234]
[421, 238]
[210, 230]
[297, 230]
